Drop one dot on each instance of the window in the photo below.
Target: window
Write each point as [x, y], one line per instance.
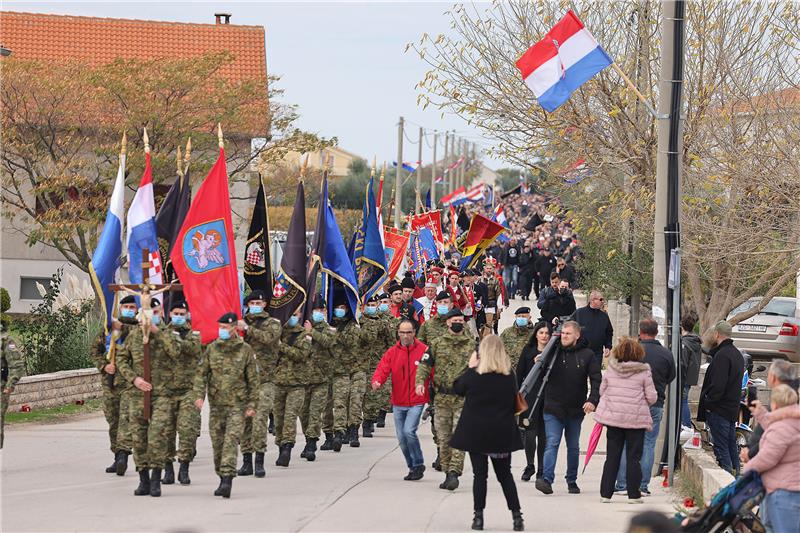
[28, 290]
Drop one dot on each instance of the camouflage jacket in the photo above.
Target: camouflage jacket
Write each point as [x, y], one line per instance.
[164, 352]
[391, 330]
[514, 339]
[189, 359]
[99, 353]
[377, 330]
[264, 335]
[13, 363]
[294, 359]
[345, 346]
[432, 329]
[447, 358]
[321, 361]
[229, 373]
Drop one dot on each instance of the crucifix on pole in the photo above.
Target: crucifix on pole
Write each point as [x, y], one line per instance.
[146, 291]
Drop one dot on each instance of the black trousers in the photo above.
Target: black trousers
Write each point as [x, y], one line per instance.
[502, 469]
[535, 440]
[633, 442]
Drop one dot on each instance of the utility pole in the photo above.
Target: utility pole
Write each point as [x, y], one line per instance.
[398, 178]
[433, 172]
[418, 192]
[446, 175]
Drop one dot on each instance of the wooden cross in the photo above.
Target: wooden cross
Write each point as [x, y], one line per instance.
[145, 291]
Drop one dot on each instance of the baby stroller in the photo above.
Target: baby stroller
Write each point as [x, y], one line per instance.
[732, 508]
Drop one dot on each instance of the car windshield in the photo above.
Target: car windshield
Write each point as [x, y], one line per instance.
[774, 307]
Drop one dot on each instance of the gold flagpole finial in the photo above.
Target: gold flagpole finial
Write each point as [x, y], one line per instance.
[146, 140]
[188, 152]
[124, 147]
[179, 159]
[219, 135]
[304, 167]
[383, 171]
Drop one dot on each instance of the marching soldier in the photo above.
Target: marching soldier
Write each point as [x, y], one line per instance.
[378, 330]
[448, 357]
[290, 375]
[230, 375]
[263, 333]
[515, 337]
[13, 368]
[392, 322]
[436, 326]
[320, 367]
[149, 436]
[345, 352]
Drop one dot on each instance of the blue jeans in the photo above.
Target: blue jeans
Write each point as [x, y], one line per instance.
[781, 510]
[686, 415]
[510, 278]
[554, 427]
[723, 434]
[648, 453]
[406, 422]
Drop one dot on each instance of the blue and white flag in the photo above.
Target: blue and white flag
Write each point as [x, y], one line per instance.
[407, 166]
[142, 230]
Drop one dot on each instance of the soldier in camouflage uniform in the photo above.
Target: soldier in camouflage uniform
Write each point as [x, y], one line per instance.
[448, 358]
[344, 352]
[263, 333]
[384, 310]
[291, 373]
[13, 368]
[149, 436]
[515, 337]
[178, 405]
[320, 364]
[379, 329]
[229, 374]
[113, 387]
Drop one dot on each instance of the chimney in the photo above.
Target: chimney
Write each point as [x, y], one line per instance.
[220, 16]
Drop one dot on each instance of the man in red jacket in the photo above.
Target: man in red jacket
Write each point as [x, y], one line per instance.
[401, 362]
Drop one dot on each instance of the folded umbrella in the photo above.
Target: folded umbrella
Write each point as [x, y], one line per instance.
[594, 438]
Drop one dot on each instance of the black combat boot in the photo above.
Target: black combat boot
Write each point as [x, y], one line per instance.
[169, 474]
[259, 467]
[366, 429]
[311, 450]
[122, 462]
[183, 473]
[226, 486]
[218, 492]
[519, 524]
[477, 520]
[271, 427]
[354, 437]
[338, 439]
[144, 483]
[437, 463]
[155, 482]
[285, 455]
[328, 444]
[247, 464]
[451, 481]
[381, 423]
[113, 468]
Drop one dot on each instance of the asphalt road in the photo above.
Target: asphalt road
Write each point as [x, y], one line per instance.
[53, 480]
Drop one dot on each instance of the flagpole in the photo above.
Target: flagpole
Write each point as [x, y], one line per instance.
[179, 160]
[634, 89]
[186, 156]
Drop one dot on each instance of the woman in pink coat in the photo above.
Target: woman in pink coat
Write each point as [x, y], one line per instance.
[626, 394]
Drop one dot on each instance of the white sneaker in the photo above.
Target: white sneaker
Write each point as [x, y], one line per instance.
[605, 500]
[635, 500]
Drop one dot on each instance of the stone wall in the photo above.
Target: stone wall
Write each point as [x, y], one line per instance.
[57, 388]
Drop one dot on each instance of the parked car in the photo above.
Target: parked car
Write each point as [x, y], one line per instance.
[773, 332]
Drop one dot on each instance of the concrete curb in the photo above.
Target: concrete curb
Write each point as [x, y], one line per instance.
[56, 388]
[700, 468]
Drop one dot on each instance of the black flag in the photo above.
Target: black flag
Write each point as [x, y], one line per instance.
[463, 220]
[169, 220]
[289, 292]
[257, 256]
[317, 247]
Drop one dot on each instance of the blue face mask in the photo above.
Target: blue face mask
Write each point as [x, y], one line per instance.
[317, 316]
[255, 309]
[156, 320]
[383, 308]
[521, 321]
[178, 320]
[128, 313]
[339, 313]
[442, 310]
[224, 334]
[370, 310]
[293, 320]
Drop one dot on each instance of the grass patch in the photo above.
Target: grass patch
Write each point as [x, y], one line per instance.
[686, 488]
[54, 414]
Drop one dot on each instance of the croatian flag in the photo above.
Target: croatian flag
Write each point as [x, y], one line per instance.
[565, 59]
[142, 229]
[499, 216]
[407, 166]
[476, 193]
[456, 197]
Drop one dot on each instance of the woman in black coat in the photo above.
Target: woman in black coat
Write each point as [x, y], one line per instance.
[534, 436]
[487, 428]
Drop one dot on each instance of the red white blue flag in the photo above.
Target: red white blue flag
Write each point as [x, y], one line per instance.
[142, 230]
[566, 58]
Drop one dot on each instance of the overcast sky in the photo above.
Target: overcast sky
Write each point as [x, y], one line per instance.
[343, 63]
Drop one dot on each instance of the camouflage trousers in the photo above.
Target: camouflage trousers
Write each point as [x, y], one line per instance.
[355, 400]
[3, 410]
[313, 406]
[225, 424]
[327, 413]
[124, 427]
[447, 409]
[375, 400]
[254, 438]
[286, 409]
[112, 399]
[184, 423]
[149, 436]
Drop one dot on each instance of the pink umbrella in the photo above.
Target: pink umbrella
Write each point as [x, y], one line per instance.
[594, 438]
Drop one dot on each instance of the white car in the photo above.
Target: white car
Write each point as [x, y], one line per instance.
[774, 332]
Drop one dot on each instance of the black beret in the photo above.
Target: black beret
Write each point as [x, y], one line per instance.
[453, 313]
[155, 303]
[522, 311]
[443, 295]
[373, 298]
[255, 295]
[408, 283]
[383, 296]
[129, 299]
[180, 304]
[228, 318]
[319, 302]
[394, 287]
